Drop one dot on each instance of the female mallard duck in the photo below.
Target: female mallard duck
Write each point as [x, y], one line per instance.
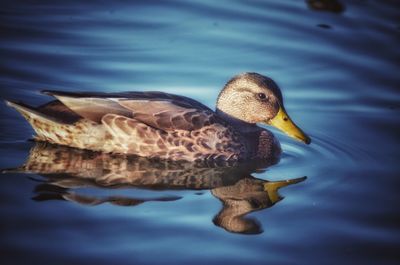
[165, 126]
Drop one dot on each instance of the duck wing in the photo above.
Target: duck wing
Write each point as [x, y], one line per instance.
[169, 115]
[156, 109]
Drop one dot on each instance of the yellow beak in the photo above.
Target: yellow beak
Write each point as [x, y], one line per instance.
[283, 122]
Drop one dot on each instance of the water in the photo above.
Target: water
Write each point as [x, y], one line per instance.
[338, 69]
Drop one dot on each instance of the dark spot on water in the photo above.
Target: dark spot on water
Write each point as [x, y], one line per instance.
[333, 6]
[199, 193]
[324, 26]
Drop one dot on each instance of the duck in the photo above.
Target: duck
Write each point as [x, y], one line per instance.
[167, 126]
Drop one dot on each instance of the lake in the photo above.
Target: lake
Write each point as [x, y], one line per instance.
[334, 201]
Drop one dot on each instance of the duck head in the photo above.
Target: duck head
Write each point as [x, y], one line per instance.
[254, 98]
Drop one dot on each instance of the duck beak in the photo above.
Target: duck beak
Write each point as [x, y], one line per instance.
[283, 122]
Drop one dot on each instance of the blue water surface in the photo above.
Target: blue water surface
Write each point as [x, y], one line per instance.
[337, 63]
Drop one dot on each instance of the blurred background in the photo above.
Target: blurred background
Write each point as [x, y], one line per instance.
[337, 63]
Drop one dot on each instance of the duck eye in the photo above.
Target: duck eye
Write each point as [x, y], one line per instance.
[261, 96]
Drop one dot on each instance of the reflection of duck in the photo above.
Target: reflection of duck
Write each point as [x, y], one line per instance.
[155, 124]
[66, 169]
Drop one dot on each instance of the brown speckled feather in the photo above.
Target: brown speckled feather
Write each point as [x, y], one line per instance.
[130, 136]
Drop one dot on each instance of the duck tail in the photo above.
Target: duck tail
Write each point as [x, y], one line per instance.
[30, 111]
[37, 119]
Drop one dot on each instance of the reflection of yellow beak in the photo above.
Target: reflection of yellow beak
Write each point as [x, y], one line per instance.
[283, 122]
[272, 187]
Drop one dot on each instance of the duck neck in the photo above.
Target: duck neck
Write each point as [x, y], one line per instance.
[238, 124]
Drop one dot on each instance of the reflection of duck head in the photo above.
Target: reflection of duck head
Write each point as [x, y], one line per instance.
[245, 196]
[66, 169]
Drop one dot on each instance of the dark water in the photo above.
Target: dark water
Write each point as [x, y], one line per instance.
[338, 66]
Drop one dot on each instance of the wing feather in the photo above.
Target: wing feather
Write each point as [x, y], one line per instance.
[157, 109]
[168, 115]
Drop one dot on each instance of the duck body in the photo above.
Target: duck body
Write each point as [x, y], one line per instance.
[152, 124]
[147, 124]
